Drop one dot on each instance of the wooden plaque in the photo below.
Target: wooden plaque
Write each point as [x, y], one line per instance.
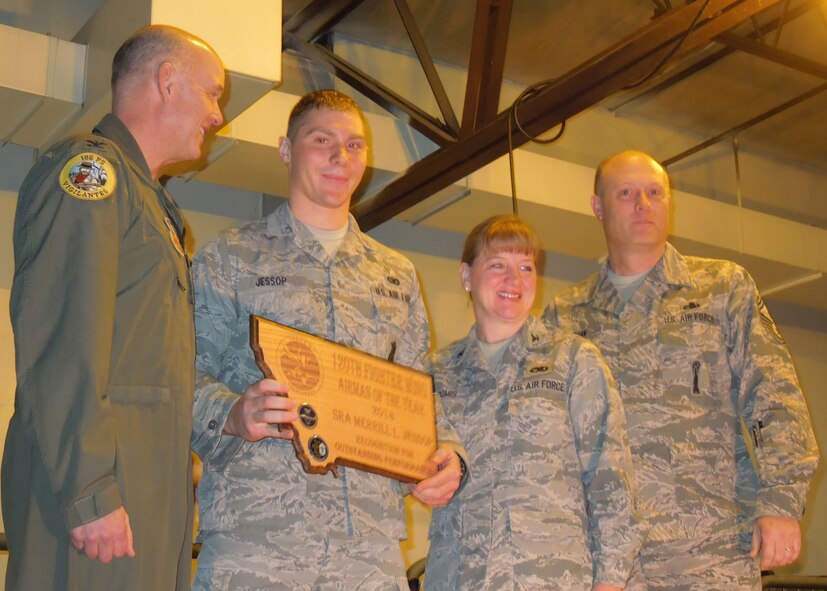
[354, 409]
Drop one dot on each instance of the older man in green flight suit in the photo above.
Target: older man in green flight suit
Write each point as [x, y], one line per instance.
[97, 485]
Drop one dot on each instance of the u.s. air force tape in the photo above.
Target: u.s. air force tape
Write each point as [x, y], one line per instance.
[88, 176]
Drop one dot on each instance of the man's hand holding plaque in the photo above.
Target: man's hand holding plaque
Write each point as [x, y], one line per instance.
[260, 411]
[346, 407]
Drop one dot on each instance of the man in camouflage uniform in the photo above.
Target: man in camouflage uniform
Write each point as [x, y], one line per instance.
[97, 469]
[265, 523]
[718, 426]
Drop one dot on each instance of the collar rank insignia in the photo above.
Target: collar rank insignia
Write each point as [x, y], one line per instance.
[88, 177]
[173, 236]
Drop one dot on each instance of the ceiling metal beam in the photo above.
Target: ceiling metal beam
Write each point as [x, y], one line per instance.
[782, 20]
[661, 7]
[624, 63]
[747, 124]
[401, 108]
[486, 64]
[316, 21]
[779, 56]
[672, 79]
[757, 28]
[318, 17]
[428, 67]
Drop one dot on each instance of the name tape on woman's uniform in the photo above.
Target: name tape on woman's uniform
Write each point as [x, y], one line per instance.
[88, 177]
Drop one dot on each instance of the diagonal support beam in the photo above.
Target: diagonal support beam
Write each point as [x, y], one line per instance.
[661, 7]
[747, 124]
[672, 79]
[486, 64]
[781, 22]
[622, 64]
[427, 64]
[434, 130]
[318, 17]
[779, 56]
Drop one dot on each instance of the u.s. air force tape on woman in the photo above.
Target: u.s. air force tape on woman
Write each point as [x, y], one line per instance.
[354, 409]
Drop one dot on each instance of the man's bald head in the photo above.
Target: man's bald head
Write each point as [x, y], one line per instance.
[147, 49]
[625, 156]
[166, 88]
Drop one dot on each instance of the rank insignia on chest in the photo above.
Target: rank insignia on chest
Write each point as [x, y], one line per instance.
[173, 236]
[88, 177]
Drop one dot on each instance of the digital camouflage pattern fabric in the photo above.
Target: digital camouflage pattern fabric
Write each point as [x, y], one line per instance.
[265, 523]
[549, 490]
[718, 425]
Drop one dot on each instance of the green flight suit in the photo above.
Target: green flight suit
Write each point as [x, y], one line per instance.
[101, 308]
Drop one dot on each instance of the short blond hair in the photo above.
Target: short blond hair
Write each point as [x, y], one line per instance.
[501, 233]
[332, 100]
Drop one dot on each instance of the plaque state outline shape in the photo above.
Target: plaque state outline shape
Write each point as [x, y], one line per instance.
[302, 434]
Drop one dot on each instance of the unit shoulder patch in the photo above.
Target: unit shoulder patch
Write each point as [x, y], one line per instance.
[88, 176]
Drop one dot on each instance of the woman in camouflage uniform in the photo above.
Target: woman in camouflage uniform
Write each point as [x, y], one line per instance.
[547, 503]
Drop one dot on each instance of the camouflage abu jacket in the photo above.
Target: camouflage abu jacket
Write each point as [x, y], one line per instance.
[368, 298]
[548, 497]
[718, 426]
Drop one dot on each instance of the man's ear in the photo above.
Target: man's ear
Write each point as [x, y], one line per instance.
[166, 80]
[597, 207]
[284, 149]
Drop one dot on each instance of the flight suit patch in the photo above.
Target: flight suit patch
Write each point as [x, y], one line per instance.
[88, 177]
